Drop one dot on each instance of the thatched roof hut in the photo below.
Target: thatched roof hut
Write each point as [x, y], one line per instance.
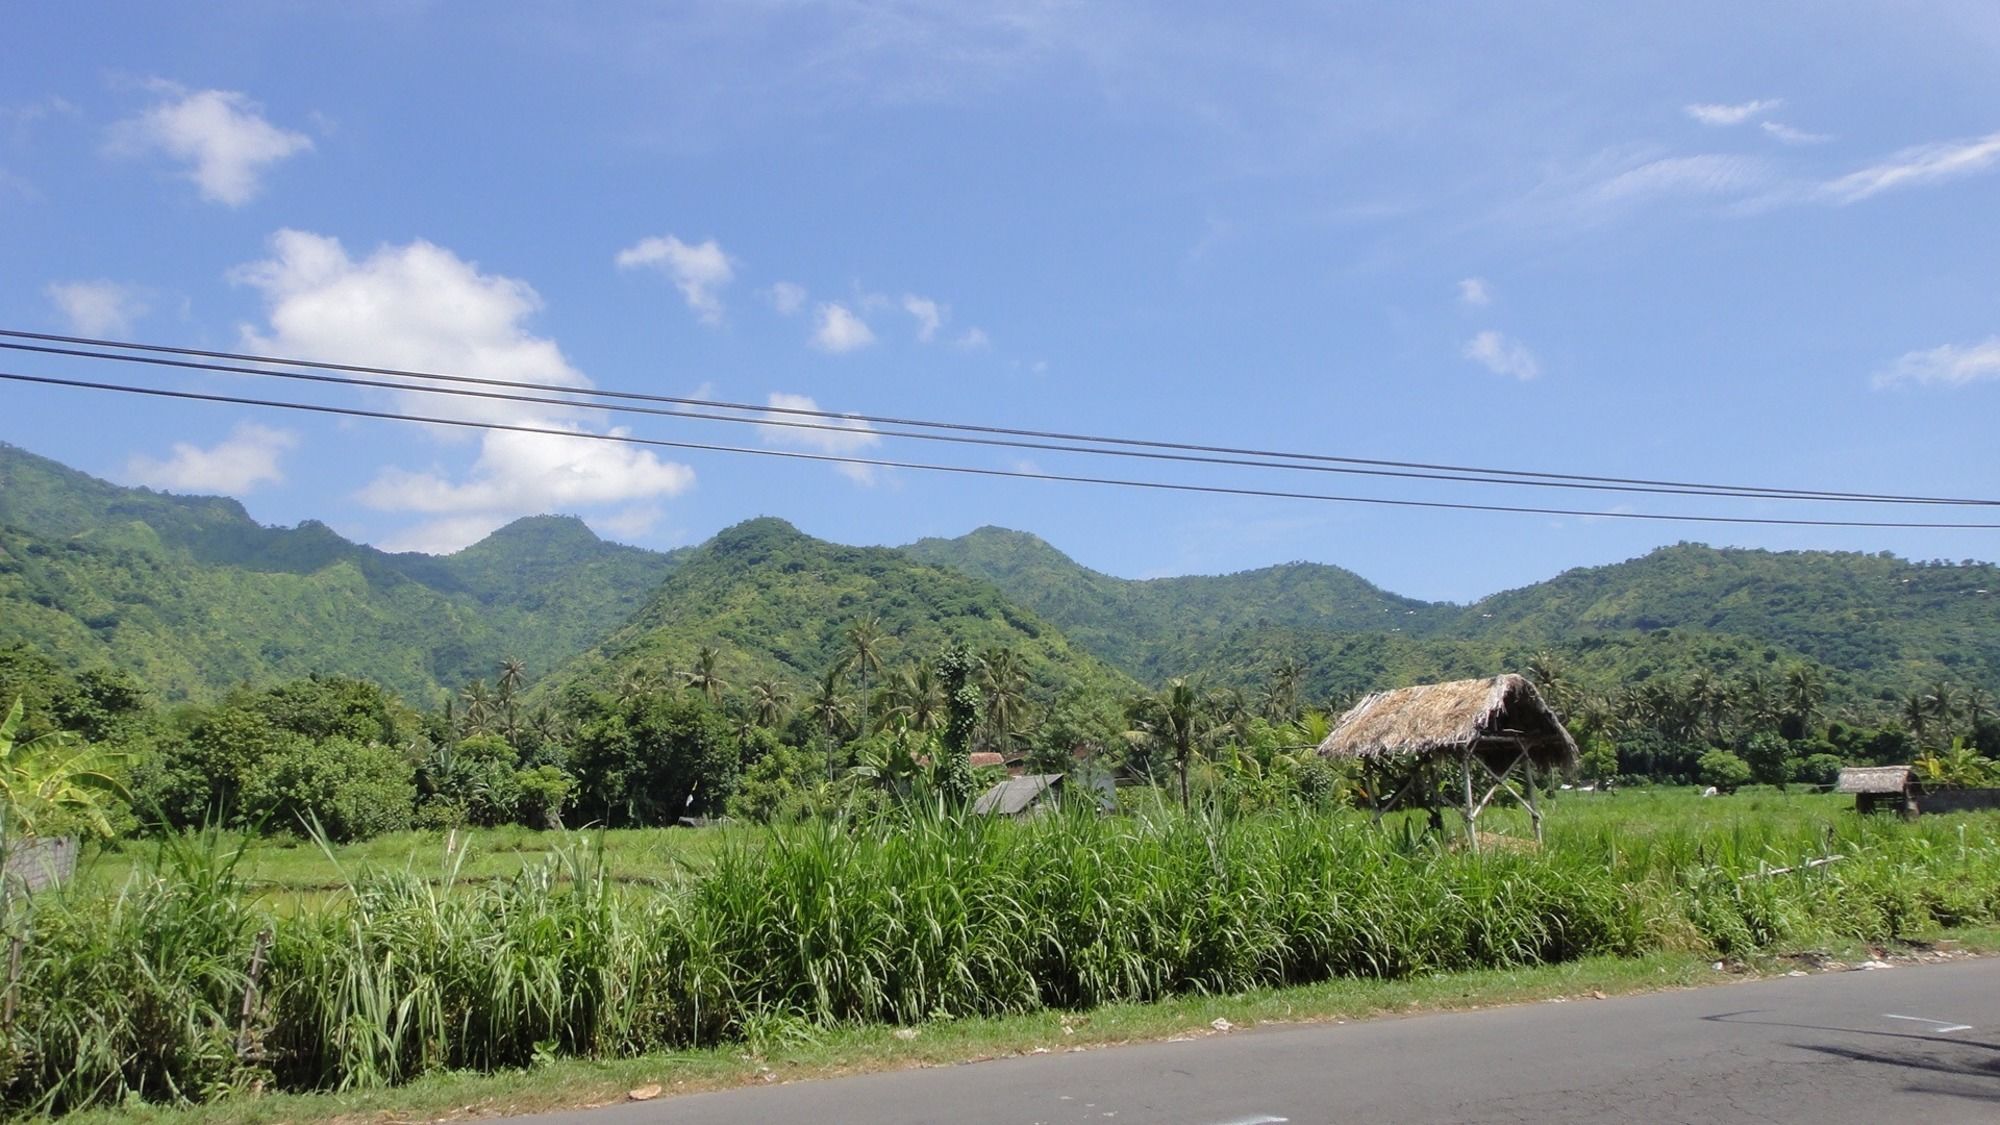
[1874, 779]
[1497, 719]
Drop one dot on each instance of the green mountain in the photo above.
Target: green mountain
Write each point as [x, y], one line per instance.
[192, 595]
[1147, 627]
[1879, 624]
[778, 603]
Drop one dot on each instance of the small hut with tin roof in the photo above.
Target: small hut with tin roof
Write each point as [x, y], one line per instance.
[1492, 730]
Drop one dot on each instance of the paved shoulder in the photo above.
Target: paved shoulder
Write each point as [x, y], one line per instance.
[1916, 1044]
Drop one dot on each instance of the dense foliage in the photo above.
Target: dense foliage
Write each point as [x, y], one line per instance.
[138, 995]
[193, 596]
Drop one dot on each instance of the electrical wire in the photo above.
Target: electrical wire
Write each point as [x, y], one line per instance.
[971, 470]
[761, 415]
[956, 439]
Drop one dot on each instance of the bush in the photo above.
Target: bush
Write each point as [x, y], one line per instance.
[1723, 770]
[1817, 769]
[352, 790]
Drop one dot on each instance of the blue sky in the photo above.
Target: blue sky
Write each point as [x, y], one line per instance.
[1745, 243]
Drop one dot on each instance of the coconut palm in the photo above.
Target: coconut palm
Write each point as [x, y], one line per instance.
[1005, 686]
[1942, 702]
[706, 676]
[916, 697]
[770, 700]
[1280, 701]
[829, 709]
[1174, 720]
[864, 652]
[1804, 691]
[478, 715]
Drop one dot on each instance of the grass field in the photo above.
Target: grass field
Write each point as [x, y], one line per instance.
[396, 960]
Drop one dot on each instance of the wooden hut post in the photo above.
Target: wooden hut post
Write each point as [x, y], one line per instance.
[1471, 810]
[1534, 810]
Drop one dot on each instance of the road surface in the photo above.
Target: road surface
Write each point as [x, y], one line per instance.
[1912, 1043]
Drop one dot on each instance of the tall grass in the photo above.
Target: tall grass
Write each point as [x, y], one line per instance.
[140, 994]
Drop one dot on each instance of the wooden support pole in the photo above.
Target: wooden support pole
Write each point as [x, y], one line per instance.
[249, 1009]
[1534, 810]
[1471, 810]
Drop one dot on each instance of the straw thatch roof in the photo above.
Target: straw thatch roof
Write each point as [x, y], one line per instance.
[1873, 779]
[1496, 718]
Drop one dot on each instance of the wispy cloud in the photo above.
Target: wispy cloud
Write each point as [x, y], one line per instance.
[928, 313]
[238, 464]
[1475, 292]
[221, 135]
[1952, 365]
[1502, 356]
[1704, 174]
[839, 330]
[97, 308]
[1718, 114]
[1921, 164]
[1778, 130]
[787, 297]
[697, 270]
[848, 437]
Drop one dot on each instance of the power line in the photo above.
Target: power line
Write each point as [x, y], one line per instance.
[1530, 476]
[970, 470]
[956, 439]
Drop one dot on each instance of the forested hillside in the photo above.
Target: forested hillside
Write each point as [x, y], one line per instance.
[1150, 627]
[192, 595]
[778, 604]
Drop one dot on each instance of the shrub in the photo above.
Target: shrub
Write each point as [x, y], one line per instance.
[1723, 770]
[351, 790]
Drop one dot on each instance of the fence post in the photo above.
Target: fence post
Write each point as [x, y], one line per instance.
[250, 992]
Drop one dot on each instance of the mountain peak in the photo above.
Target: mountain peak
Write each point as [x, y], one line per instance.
[539, 534]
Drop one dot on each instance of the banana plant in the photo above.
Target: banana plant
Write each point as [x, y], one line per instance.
[55, 776]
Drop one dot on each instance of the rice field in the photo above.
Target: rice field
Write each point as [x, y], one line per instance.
[202, 970]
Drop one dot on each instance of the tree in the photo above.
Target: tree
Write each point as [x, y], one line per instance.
[653, 760]
[1173, 719]
[1005, 688]
[1280, 703]
[706, 676]
[1804, 691]
[770, 701]
[1723, 770]
[829, 710]
[864, 645]
[1769, 758]
[350, 790]
[916, 698]
[53, 781]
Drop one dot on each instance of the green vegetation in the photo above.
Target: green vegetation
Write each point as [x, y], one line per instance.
[139, 993]
[192, 596]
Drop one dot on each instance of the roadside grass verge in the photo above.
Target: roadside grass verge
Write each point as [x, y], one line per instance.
[817, 934]
[794, 1053]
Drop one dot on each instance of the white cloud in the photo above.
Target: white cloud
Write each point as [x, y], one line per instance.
[239, 463]
[1919, 165]
[1778, 130]
[1475, 292]
[1952, 365]
[697, 270]
[929, 315]
[840, 330]
[972, 339]
[1502, 356]
[1708, 174]
[97, 308]
[849, 438]
[629, 523]
[787, 297]
[420, 307]
[221, 135]
[1715, 114]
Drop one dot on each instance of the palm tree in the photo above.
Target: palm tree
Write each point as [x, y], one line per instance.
[1804, 691]
[769, 702]
[1916, 709]
[1942, 702]
[916, 697]
[864, 645]
[478, 700]
[827, 706]
[1005, 687]
[511, 673]
[1174, 720]
[705, 676]
[1977, 708]
[1281, 696]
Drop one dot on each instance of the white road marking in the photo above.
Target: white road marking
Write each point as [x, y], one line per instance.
[1260, 1119]
[1942, 1028]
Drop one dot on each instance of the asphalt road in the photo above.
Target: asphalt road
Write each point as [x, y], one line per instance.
[1912, 1043]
